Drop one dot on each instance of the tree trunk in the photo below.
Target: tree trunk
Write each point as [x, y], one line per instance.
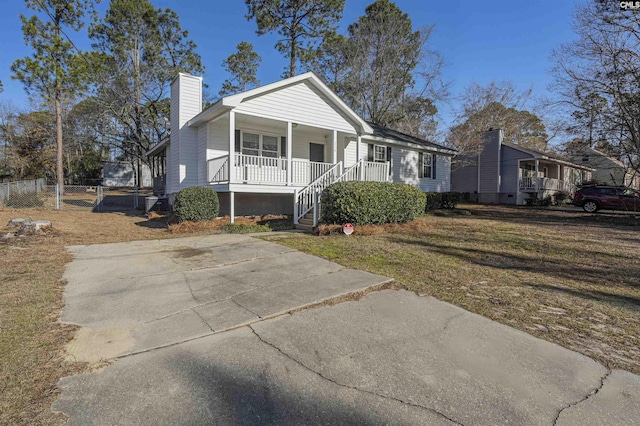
[58, 108]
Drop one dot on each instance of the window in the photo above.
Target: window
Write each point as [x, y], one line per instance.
[545, 172]
[250, 144]
[427, 165]
[270, 146]
[379, 154]
[260, 145]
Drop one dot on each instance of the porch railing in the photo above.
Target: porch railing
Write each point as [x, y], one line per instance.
[264, 170]
[256, 169]
[351, 173]
[367, 171]
[375, 172]
[304, 172]
[545, 184]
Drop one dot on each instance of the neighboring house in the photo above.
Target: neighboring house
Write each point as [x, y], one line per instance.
[273, 149]
[609, 171]
[505, 173]
[123, 174]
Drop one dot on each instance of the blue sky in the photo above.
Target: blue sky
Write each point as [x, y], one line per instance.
[480, 41]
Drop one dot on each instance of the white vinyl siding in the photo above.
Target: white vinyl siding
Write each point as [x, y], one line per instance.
[202, 153]
[218, 142]
[298, 103]
[350, 152]
[186, 102]
[405, 170]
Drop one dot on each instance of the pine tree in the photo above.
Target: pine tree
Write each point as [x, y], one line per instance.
[243, 66]
[55, 71]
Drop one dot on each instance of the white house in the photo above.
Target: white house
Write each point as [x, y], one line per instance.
[274, 148]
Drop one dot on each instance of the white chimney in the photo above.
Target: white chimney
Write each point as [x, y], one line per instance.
[182, 161]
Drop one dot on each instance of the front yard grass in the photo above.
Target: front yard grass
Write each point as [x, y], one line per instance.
[566, 277]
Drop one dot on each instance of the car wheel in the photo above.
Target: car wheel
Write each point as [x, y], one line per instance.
[590, 206]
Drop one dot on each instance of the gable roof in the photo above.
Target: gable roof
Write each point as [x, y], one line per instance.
[545, 156]
[389, 135]
[602, 154]
[230, 102]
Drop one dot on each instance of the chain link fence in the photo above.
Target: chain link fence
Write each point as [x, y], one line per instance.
[37, 194]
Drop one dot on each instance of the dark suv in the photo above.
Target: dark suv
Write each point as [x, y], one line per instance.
[595, 197]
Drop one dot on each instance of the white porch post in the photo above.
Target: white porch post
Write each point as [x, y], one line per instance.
[359, 169]
[232, 209]
[334, 148]
[289, 153]
[536, 175]
[232, 153]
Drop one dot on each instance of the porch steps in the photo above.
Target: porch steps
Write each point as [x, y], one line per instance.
[306, 222]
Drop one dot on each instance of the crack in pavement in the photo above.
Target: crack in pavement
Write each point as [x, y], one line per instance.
[357, 389]
[203, 320]
[242, 307]
[199, 305]
[586, 397]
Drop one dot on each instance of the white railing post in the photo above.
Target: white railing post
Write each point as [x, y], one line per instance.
[316, 210]
[295, 207]
[57, 197]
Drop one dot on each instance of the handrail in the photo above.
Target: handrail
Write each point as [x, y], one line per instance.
[218, 169]
[305, 198]
[347, 175]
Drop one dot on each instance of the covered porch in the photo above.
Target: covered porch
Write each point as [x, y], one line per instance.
[540, 176]
[251, 150]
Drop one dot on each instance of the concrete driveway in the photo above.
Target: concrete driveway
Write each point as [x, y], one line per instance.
[137, 296]
[390, 357]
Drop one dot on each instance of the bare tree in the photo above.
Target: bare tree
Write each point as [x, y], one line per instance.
[497, 105]
[597, 77]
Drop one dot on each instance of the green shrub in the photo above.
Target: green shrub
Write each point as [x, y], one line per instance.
[533, 200]
[243, 228]
[450, 200]
[196, 203]
[365, 203]
[562, 196]
[442, 200]
[434, 200]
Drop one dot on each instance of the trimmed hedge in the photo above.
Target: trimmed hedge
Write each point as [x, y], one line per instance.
[365, 203]
[196, 203]
[442, 200]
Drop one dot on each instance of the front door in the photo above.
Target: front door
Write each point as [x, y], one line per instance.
[316, 152]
